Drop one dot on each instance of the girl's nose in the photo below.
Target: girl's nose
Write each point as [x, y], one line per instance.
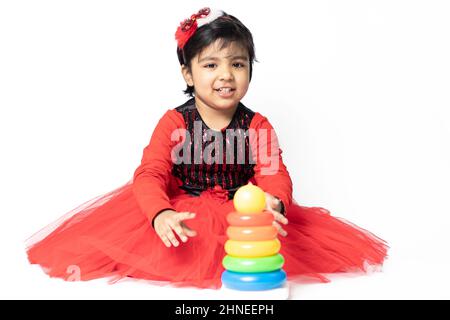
[226, 74]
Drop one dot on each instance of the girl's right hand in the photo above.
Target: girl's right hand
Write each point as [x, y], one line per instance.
[168, 221]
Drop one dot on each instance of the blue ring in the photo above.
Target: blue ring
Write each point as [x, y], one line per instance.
[253, 281]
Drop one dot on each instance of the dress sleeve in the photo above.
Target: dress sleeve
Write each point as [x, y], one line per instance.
[151, 178]
[270, 172]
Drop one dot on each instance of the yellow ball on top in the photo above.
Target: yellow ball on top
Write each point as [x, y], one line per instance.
[249, 199]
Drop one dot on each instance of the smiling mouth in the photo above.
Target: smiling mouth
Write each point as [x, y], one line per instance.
[225, 90]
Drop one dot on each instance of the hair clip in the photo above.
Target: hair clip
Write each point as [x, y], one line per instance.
[188, 27]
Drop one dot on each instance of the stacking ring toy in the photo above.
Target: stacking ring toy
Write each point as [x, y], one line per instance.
[264, 218]
[252, 233]
[253, 265]
[252, 248]
[253, 281]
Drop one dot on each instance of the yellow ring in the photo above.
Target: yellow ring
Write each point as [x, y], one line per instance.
[252, 248]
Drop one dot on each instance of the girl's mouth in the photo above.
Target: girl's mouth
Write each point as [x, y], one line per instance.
[225, 92]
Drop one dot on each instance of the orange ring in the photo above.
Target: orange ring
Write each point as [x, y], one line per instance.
[264, 218]
[252, 233]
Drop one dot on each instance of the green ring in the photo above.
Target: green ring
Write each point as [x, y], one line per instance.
[253, 265]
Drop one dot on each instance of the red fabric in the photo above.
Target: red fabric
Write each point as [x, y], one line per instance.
[153, 184]
[278, 183]
[111, 236]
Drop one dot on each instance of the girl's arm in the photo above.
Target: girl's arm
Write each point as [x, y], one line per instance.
[151, 178]
[270, 172]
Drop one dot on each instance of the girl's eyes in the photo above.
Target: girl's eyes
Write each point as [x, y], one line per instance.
[236, 65]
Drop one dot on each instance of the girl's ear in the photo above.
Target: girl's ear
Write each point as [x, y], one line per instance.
[187, 75]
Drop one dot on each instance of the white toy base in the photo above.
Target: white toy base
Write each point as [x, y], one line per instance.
[281, 293]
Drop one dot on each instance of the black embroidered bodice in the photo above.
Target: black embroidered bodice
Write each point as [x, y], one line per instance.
[210, 157]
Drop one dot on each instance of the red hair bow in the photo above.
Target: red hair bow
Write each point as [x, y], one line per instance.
[188, 27]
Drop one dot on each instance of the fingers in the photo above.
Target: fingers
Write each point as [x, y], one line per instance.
[280, 230]
[165, 240]
[172, 238]
[272, 205]
[178, 230]
[174, 223]
[184, 216]
[188, 231]
[167, 237]
[278, 216]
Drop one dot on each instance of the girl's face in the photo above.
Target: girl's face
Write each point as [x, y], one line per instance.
[220, 76]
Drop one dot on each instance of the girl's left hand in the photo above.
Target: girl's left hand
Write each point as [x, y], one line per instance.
[274, 205]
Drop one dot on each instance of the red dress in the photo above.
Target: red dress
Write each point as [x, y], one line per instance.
[112, 235]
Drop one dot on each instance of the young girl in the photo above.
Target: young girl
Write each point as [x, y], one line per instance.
[168, 224]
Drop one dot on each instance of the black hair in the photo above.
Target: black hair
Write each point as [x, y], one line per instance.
[225, 28]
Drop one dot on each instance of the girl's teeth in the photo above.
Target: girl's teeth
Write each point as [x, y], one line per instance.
[225, 90]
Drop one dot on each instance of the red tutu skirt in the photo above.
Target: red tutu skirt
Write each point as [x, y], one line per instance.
[111, 237]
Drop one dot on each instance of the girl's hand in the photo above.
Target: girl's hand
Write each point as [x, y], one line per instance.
[168, 221]
[273, 205]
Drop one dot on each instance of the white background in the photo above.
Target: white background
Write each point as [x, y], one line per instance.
[358, 92]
